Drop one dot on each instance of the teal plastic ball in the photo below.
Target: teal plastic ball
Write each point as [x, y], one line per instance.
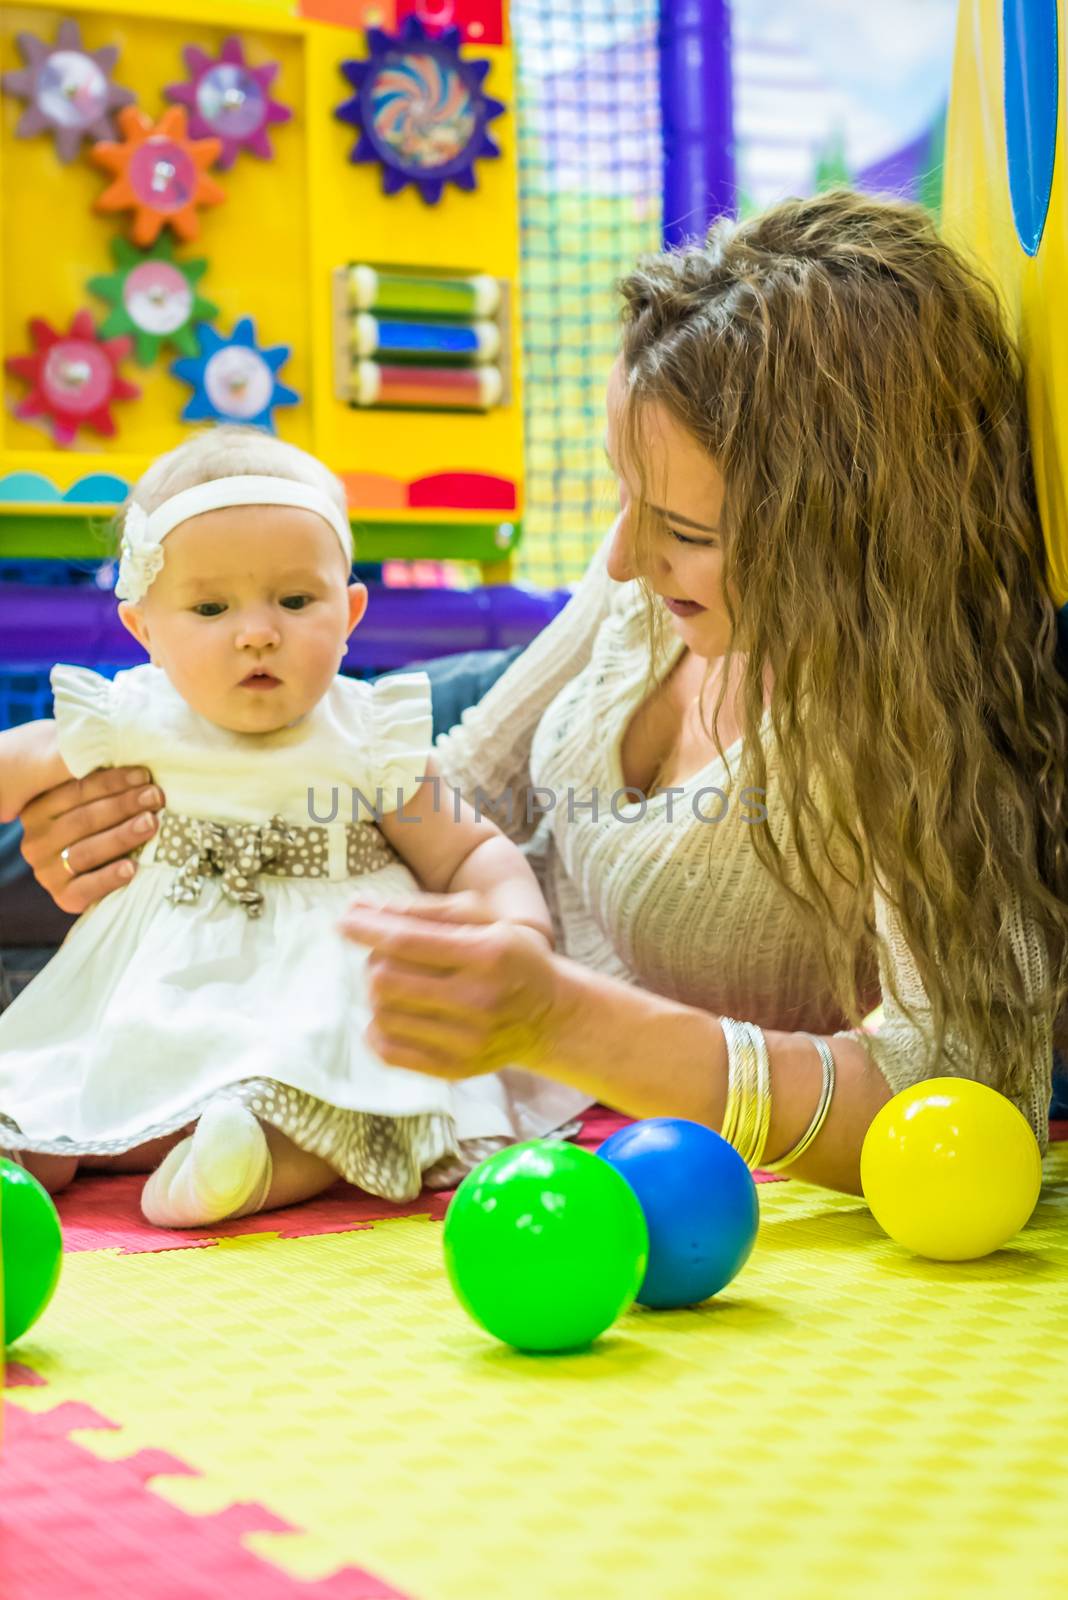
[545, 1245]
[31, 1248]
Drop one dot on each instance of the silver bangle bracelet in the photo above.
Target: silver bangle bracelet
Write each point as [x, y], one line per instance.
[732, 1033]
[763, 1097]
[824, 1106]
[728, 1128]
[747, 1111]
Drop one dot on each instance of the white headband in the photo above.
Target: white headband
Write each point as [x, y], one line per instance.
[143, 532]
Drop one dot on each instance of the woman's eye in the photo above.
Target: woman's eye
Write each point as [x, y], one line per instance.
[705, 544]
[209, 608]
[296, 602]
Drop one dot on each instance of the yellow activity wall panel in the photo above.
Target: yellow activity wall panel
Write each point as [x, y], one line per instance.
[304, 219]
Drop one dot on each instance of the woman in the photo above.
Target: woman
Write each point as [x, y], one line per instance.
[825, 598]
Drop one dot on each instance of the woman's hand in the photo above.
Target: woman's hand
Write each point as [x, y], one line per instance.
[455, 994]
[97, 820]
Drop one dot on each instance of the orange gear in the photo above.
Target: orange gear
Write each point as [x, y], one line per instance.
[160, 174]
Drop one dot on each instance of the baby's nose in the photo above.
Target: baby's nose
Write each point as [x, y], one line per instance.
[257, 634]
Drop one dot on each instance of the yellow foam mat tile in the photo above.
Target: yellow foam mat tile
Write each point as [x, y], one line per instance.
[844, 1420]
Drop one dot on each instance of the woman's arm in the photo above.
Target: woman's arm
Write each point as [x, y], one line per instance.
[651, 1057]
[30, 763]
[457, 1001]
[488, 752]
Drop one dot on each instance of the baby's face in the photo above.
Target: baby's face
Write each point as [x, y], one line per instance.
[250, 614]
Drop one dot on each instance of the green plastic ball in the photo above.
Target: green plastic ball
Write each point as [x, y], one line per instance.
[545, 1245]
[31, 1248]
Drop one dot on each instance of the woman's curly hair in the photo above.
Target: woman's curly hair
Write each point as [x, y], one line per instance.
[853, 380]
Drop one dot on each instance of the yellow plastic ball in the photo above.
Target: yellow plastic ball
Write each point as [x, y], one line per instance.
[950, 1169]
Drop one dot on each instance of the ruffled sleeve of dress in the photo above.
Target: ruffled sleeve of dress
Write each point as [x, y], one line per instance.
[84, 717]
[902, 1046]
[402, 727]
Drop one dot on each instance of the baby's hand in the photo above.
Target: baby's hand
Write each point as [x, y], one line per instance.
[465, 905]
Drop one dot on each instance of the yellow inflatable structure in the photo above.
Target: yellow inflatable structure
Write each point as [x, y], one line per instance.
[1004, 200]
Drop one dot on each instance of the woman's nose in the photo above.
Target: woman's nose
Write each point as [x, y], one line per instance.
[620, 559]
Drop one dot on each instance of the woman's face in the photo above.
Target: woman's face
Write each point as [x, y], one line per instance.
[685, 495]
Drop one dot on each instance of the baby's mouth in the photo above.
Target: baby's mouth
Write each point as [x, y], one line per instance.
[260, 679]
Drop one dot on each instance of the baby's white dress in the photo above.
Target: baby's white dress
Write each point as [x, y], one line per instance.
[208, 974]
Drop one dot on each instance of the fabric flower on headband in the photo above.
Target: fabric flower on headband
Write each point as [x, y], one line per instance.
[140, 556]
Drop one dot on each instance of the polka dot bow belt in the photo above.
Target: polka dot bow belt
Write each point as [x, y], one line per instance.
[239, 852]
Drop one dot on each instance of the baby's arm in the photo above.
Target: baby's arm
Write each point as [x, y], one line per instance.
[449, 848]
[30, 763]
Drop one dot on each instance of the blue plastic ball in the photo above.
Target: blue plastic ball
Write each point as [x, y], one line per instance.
[700, 1205]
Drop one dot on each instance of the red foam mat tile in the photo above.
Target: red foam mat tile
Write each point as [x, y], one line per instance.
[76, 1527]
[102, 1211]
[16, 1376]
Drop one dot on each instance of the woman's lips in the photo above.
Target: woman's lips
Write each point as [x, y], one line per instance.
[683, 608]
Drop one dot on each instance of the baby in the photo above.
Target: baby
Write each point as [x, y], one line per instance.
[211, 1012]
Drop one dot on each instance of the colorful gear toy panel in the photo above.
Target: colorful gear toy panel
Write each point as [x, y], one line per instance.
[184, 191]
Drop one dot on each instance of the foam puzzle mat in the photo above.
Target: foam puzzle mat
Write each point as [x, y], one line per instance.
[297, 1407]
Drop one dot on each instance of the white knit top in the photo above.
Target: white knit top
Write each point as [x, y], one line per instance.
[682, 907]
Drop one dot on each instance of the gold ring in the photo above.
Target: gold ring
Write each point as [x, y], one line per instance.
[64, 856]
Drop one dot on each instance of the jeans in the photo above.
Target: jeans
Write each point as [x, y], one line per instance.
[12, 865]
[1059, 1104]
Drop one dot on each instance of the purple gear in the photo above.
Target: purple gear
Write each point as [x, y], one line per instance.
[229, 100]
[68, 89]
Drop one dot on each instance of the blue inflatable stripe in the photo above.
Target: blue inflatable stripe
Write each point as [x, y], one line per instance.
[1029, 30]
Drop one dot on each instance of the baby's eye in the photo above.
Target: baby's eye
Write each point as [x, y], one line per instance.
[209, 608]
[297, 602]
